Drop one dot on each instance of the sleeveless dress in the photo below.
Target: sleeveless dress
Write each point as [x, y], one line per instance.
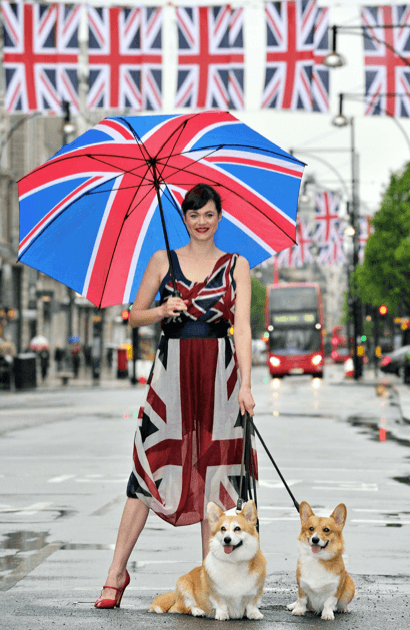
[188, 442]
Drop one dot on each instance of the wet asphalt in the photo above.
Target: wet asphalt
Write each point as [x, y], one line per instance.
[65, 457]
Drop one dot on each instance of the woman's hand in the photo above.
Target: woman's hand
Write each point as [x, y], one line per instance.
[173, 306]
[245, 399]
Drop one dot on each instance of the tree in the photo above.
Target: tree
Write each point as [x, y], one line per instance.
[384, 275]
[257, 308]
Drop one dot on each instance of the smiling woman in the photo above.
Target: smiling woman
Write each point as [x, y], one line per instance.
[188, 443]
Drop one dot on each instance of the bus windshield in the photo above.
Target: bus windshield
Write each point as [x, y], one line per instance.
[295, 340]
[293, 299]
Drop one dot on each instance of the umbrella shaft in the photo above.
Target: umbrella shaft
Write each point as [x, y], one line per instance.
[176, 293]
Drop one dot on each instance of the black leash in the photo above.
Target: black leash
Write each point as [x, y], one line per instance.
[248, 465]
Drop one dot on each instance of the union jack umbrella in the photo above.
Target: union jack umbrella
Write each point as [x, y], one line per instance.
[93, 215]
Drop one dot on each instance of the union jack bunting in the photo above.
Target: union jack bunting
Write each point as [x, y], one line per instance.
[332, 253]
[301, 252]
[40, 56]
[320, 81]
[210, 57]
[289, 54]
[365, 231]
[125, 58]
[387, 61]
[285, 258]
[327, 216]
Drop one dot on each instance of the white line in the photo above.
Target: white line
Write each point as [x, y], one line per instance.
[60, 479]
[359, 520]
[29, 510]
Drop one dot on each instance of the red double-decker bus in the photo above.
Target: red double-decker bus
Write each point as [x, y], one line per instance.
[294, 321]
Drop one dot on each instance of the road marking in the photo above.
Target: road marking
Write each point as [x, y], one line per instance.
[27, 565]
[109, 506]
[60, 479]
[396, 522]
[270, 483]
[28, 511]
[346, 485]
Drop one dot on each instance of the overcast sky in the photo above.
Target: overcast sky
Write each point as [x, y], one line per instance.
[382, 146]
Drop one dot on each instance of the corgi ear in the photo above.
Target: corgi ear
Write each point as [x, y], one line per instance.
[249, 512]
[214, 513]
[339, 514]
[305, 511]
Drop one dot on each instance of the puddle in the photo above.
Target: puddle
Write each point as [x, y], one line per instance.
[23, 541]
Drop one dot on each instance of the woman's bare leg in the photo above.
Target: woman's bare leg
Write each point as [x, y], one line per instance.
[132, 523]
[206, 533]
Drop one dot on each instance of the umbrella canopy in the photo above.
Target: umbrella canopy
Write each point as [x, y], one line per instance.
[39, 343]
[90, 216]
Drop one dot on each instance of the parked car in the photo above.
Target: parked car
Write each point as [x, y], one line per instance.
[393, 362]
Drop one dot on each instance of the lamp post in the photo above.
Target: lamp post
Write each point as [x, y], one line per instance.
[342, 121]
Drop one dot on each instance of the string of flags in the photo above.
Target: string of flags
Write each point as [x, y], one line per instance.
[322, 240]
[125, 56]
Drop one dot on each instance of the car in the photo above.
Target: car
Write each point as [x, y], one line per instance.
[393, 362]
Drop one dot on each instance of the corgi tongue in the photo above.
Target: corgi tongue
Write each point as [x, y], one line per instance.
[228, 548]
[316, 548]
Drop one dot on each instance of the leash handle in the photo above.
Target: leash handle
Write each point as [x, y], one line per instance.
[296, 504]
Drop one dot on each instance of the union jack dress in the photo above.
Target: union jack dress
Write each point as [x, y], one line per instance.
[188, 442]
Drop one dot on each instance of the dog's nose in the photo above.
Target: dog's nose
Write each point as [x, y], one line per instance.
[315, 540]
[227, 540]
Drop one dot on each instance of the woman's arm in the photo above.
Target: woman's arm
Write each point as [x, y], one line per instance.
[141, 314]
[242, 333]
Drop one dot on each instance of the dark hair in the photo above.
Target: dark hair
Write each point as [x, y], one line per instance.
[199, 196]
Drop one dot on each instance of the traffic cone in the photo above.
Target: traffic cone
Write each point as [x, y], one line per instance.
[349, 368]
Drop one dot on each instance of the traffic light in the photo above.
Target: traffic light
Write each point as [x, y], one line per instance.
[383, 310]
[125, 314]
[65, 106]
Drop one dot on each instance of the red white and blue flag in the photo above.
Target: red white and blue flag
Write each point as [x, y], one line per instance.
[40, 56]
[210, 57]
[320, 80]
[329, 232]
[387, 60]
[302, 250]
[326, 217]
[290, 54]
[99, 191]
[125, 58]
[365, 231]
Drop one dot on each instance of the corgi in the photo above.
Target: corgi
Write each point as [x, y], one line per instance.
[324, 584]
[230, 582]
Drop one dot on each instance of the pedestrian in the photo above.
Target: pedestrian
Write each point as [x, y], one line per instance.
[188, 444]
[59, 357]
[44, 355]
[75, 357]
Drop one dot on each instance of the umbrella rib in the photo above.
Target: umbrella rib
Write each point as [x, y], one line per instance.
[216, 183]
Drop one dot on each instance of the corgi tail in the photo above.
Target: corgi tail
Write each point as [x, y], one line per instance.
[162, 603]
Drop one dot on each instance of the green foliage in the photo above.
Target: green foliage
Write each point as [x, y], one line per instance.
[257, 308]
[384, 275]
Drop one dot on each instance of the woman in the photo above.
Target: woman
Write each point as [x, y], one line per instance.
[188, 445]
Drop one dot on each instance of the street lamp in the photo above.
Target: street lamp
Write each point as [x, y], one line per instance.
[341, 121]
[334, 59]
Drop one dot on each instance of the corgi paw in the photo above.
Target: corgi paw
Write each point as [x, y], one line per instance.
[328, 615]
[221, 615]
[156, 609]
[197, 612]
[343, 609]
[299, 611]
[254, 614]
[292, 606]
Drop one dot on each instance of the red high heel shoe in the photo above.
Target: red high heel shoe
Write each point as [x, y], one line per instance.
[112, 603]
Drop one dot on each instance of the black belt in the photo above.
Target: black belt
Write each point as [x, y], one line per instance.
[195, 330]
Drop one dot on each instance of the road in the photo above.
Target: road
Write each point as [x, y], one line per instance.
[65, 459]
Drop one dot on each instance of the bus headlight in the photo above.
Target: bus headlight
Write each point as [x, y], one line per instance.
[317, 359]
[275, 361]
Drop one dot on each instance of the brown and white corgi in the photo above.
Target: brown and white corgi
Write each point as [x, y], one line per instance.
[324, 584]
[229, 584]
